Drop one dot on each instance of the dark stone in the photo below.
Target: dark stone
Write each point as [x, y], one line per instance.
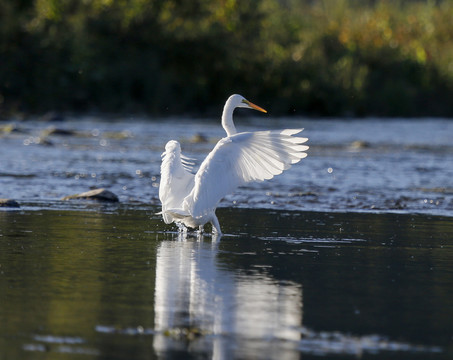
[199, 138]
[97, 194]
[10, 128]
[58, 131]
[9, 203]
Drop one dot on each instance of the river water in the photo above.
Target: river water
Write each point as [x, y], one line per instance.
[358, 165]
[346, 255]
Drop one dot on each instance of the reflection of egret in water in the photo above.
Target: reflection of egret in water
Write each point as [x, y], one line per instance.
[250, 316]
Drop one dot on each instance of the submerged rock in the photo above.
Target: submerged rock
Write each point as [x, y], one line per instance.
[359, 144]
[10, 128]
[198, 138]
[118, 135]
[97, 194]
[58, 131]
[9, 203]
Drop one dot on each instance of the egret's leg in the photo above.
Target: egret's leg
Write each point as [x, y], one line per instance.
[215, 225]
[200, 233]
[181, 227]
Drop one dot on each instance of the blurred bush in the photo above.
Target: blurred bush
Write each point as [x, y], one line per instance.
[331, 57]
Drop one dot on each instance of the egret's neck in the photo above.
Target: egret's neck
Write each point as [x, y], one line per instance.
[227, 120]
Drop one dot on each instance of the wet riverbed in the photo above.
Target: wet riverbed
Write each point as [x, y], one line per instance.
[347, 255]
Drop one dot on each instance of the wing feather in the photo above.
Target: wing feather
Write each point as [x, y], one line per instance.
[239, 159]
[176, 180]
[188, 163]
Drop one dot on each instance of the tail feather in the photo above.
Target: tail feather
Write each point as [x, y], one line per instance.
[170, 215]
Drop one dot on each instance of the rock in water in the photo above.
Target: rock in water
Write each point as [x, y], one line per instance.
[97, 194]
[9, 203]
[58, 131]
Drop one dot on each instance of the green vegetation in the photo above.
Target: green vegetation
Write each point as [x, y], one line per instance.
[331, 57]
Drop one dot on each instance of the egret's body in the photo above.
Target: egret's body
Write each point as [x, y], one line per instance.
[191, 199]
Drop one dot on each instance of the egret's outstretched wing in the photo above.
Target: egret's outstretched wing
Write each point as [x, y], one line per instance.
[176, 182]
[187, 163]
[241, 158]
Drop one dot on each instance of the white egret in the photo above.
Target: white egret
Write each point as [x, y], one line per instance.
[191, 199]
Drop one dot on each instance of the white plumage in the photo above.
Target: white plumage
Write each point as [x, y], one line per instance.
[237, 159]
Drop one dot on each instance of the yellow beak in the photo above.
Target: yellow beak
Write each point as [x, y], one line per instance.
[256, 107]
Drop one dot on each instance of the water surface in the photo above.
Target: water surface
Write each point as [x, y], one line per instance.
[360, 165]
[119, 285]
[347, 255]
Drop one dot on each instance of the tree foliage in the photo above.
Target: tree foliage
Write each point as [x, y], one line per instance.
[331, 57]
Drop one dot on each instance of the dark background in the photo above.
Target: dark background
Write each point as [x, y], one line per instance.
[165, 57]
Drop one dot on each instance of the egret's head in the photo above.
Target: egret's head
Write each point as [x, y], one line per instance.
[239, 101]
[173, 146]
